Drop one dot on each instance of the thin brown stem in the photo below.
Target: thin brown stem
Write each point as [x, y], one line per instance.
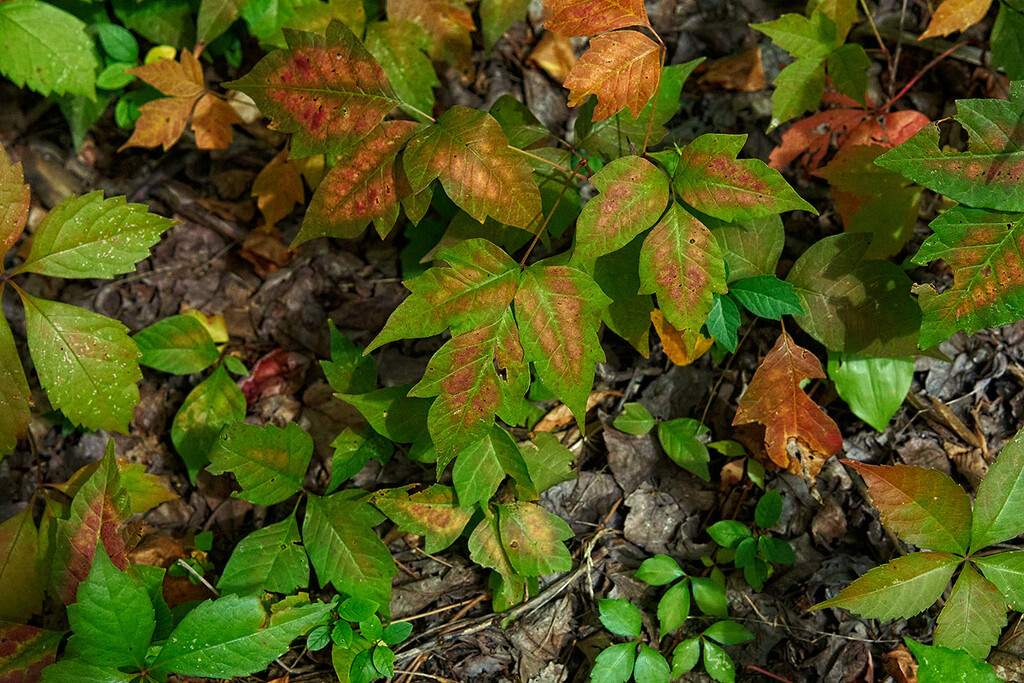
[547, 219]
[922, 72]
[564, 169]
[409, 107]
[874, 29]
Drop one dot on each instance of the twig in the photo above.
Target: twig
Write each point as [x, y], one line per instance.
[199, 577]
[437, 611]
[769, 674]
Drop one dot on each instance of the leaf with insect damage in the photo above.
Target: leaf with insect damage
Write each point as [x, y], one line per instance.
[558, 311]
[791, 419]
[327, 90]
[431, 513]
[623, 69]
[361, 187]
[15, 199]
[955, 15]
[468, 152]
[21, 588]
[577, 18]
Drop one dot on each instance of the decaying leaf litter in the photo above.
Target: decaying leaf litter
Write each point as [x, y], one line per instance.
[629, 501]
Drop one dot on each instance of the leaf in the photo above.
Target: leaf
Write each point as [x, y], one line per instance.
[955, 15]
[1006, 572]
[848, 68]
[685, 656]
[486, 550]
[635, 419]
[268, 462]
[468, 152]
[533, 537]
[681, 347]
[936, 661]
[623, 69]
[328, 91]
[167, 22]
[923, 507]
[391, 413]
[447, 22]
[1007, 40]
[113, 619]
[723, 322]
[659, 570]
[629, 313]
[651, 666]
[710, 596]
[277, 189]
[85, 361]
[577, 18]
[674, 608]
[904, 587]
[718, 664]
[874, 388]
[548, 461]
[557, 310]
[214, 18]
[768, 510]
[161, 123]
[973, 616]
[614, 664]
[728, 533]
[774, 399]
[728, 633]
[234, 636]
[1000, 501]
[802, 37]
[179, 345]
[352, 450]
[853, 304]
[497, 16]
[750, 247]
[620, 617]
[766, 296]
[632, 195]
[478, 471]
[15, 395]
[776, 550]
[678, 438]
[78, 671]
[212, 119]
[21, 588]
[348, 371]
[798, 88]
[214, 403]
[712, 180]
[268, 559]
[431, 513]
[26, 652]
[401, 47]
[344, 549]
[47, 49]
[15, 200]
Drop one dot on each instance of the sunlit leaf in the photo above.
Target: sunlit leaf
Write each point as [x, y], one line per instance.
[547, 460]
[268, 462]
[874, 388]
[999, 505]
[1006, 572]
[533, 537]
[955, 15]
[431, 513]
[400, 47]
[620, 616]
[973, 616]
[623, 69]
[179, 345]
[766, 296]
[935, 663]
[392, 413]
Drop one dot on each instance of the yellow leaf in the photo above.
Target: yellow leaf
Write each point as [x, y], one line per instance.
[681, 346]
[277, 188]
[955, 15]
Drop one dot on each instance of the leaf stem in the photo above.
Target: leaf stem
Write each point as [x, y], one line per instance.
[654, 100]
[874, 29]
[415, 110]
[922, 72]
[564, 169]
[547, 219]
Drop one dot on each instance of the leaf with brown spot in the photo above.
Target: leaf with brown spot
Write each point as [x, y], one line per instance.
[577, 18]
[277, 189]
[623, 69]
[25, 651]
[431, 513]
[774, 399]
[15, 199]
[681, 346]
[532, 538]
[558, 311]
[161, 123]
[955, 15]
[268, 462]
[21, 588]
[212, 119]
[632, 195]
[447, 22]
[328, 91]
[682, 264]
[468, 152]
[361, 187]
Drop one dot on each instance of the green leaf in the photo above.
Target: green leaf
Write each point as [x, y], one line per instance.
[392, 413]
[547, 460]
[935, 663]
[112, 619]
[234, 636]
[558, 310]
[118, 42]
[746, 551]
[802, 37]
[685, 656]
[729, 533]
[727, 633]
[486, 549]
[345, 550]
[214, 18]
[478, 471]
[659, 570]
[47, 49]
[718, 664]
[1007, 40]
[973, 616]
[400, 47]
[348, 371]
[620, 617]
[651, 666]
[21, 588]
[768, 510]
[629, 313]
[614, 664]
[874, 388]
[767, 296]
[179, 345]
[904, 587]
[533, 537]
[674, 608]
[161, 22]
[798, 89]
[318, 638]
[383, 659]
[113, 77]
[679, 439]
[750, 247]
[710, 597]
[497, 16]
[14, 392]
[431, 513]
[89, 236]
[724, 321]
[268, 462]
[519, 124]
[1006, 571]
[777, 550]
[357, 609]
[78, 671]
[396, 632]
[635, 419]
[214, 403]
[999, 505]
[756, 573]
[268, 559]
[848, 68]
[29, 650]
[85, 361]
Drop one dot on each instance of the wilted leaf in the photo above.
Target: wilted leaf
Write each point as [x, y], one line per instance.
[973, 616]
[21, 588]
[590, 17]
[161, 123]
[268, 559]
[431, 513]
[533, 537]
[955, 15]
[268, 462]
[623, 69]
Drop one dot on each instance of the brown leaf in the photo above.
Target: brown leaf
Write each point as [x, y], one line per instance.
[743, 72]
[277, 189]
[447, 22]
[161, 123]
[623, 69]
[590, 17]
[560, 415]
[681, 346]
[211, 122]
[264, 249]
[900, 665]
[555, 54]
[955, 15]
[177, 79]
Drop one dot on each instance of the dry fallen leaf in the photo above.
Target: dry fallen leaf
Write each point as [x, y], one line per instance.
[743, 72]
[955, 15]
[555, 55]
[560, 415]
[681, 346]
[277, 189]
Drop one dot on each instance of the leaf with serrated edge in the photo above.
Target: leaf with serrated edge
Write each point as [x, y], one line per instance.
[15, 396]
[268, 559]
[577, 18]
[328, 91]
[89, 236]
[923, 507]
[431, 513]
[800, 36]
[682, 264]
[999, 505]
[447, 22]
[711, 179]
[268, 462]
[477, 472]
[533, 537]
[468, 152]
[15, 199]
[632, 195]
[973, 616]
[1006, 571]
[212, 119]
[936, 662]
[161, 123]
[180, 345]
[623, 69]
[400, 47]
[774, 399]
[902, 588]
[85, 361]
[21, 588]
[360, 188]
[215, 402]
[558, 312]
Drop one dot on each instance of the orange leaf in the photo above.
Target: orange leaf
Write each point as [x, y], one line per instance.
[161, 123]
[623, 69]
[590, 17]
[447, 22]
[791, 419]
[14, 202]
[211, 122]
[681, 346]
[177, 79]
[277, 189]
[555, 54]
[744, 72]
[955, 15]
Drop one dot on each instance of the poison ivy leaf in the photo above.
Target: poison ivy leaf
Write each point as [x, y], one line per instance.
[798, 88]
[214, 18]
[401, 47]
[21, 588]
[973, 616]
[15, 199]
[47, 49]
[78, 671]
[681, 346]
[548, 461]
[352, 450]
[431, 513]
[533, 537]
[268, 462]
[14, 392]
[558, 312]
[85, 361]
[750, 247]
[935, 663]
[328, 91]
[766, 296]
[659, 570]
[317, 16]
[391, 413]
[632, 195]
[486, 550]
[710, 596]
[478, 471]
[800, 36]
[268, 559]
[234, 636]
[629, 314]
[468, 152]
[179, 345]
[519, 124]
[1000, 501]
[212, 119]
[619, 616]
[1006, 571]
[348, 371]
[614, 664]
[679, 439]
[623, 69]
[674, 607]
[848, 68]
[167, 22]
[902, 588]
[213, 404]
[497, 16]
[955, 15]
[711, 179]
[635, 419]
[874, 388]
[447, 22]
[27, 651]
[774, 399]
[921, 506]
[723, 322]
[590, 17]
[344, 549]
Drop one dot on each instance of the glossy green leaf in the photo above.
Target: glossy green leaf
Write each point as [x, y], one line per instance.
[268, 462]
[635, 419]
[728, 533]
[651, 666]
[674, 607]
[348, 371]
[718, 664]
[478, 472]
[768, 510]
[802, 37]
[392, 413]
[766, 296]
[999, 505]
[750, 247]
[47, 49]
[935, 662]
[209, 407]
[727, 633]
[659, 570]
[614, 664]
[21, 588]
[1007, 39]
[679, 439]
[268, 559]
[620, 617]
[746, 551]
[533, 537]
[179, 345]
[401, 49]
[685, 656]
[973, 616]
[547, 460]
[724, 321]
[431, 513]
[874, 388]
[396, 632]
[776, 550]
[15, 396]
[1006, 572]
[710, 597]
[118, 42]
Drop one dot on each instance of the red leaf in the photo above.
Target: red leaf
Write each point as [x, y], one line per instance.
[623, 69]
[25, 651]
[274, 373]
[590, 17]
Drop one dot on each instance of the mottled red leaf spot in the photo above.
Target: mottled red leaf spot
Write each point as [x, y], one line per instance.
[431, 513]
[25, 651]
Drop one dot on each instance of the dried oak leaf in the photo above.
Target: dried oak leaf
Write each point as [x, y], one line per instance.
[277, 189]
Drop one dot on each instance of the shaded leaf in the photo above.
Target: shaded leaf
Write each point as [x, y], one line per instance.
[21, 588]
[277, 189]
[679, 439]
[999, 504]
[268, 462]
[213, 403]
[750, 247]
[78, 671]
[623, 69]
[214, 18]
[973, 616]
[848, 68]
[391, 413]
[874, 388]
[766, 296]
[431, 513]
[447, 22]
[548, 461]
[723, 322]
[614, 664]
[352, 450]
[486, 550]
[533, 537]
[25, 651]
[590, 17]
[15, 396]
[268, 559]
[401, 47]
[497, 16]
[179, 345]
[348, 371]
[798, 88]
[212, 119]
[710, 596]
